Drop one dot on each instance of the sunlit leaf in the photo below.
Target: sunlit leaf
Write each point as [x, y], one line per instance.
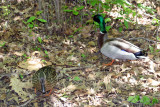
[134, 99]
[42, 20]
[79, 8]
[67, 10]
[75, 13]
[108, 27]
[126, 24]
[39, 39]
[31, 19]
[76, 78]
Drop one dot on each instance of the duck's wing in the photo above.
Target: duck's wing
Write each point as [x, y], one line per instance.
[124, 45]
[114, 52]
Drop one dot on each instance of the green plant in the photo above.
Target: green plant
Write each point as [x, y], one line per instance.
[83, 55]
[39, 39]
[76, 78]
[21, 76]
[154, 50]
[46, 53]
[6, 10]
[36, 48]
[75, 10]
[25, 56]
[31, 22]
[2, 45]
[144, 100]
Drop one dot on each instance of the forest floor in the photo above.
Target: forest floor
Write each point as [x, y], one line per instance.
[84, 79]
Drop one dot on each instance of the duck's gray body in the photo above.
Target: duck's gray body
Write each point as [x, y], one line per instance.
[120, 49]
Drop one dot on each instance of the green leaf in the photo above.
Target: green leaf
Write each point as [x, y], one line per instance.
[151, 49]
[92, 2]
[79, 8]
[133, 99]
[96, 23]
[134, 13]
[108, 27]
[67, 10]
[145, 100]
[107, 20]
[42, 20]
[76, 78]
[32, 18]
[20, 76]
[119, 18]
[3, 44]
[39, 39]
[30, 25]
[78, 29]
[24, 22]
[38, 12]
[46, 52]
[154, 101]
[158, 38]
[83, 55]
[120, 29]
[35, 25]
[126, 24]
[75, 13]
[71, 36]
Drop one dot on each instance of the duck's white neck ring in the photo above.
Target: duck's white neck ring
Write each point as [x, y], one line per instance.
[101, 32]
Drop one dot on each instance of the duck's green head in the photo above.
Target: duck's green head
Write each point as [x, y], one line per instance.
[99, 18]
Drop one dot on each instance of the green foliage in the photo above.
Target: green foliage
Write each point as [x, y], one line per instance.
[134, 99]
[156, 22]
[71, 36]
[83, 55]
[153, 49]
[38, 12]
[25, 56]
[144, 100]
[46, 53]
[2, 45]
[126, 24]
[39, 39]
[108, 27]
[36, 48]
[21, 76]
[31, 19]
[107, 20]
[76, 78]
[147, 9]
[44, 61]
[78, 29]
[5, 10]
[65, 95]
[42, 20]
[31, 22]
[75, 10]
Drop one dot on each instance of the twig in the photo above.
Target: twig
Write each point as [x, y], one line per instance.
[25, 103]
[143, 39]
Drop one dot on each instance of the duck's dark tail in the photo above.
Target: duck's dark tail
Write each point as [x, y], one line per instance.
[141, 54]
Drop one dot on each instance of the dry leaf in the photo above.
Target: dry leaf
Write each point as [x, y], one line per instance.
[153, 82]
[18, 85]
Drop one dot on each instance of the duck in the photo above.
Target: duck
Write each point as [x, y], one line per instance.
[44, 80]
[116, 48]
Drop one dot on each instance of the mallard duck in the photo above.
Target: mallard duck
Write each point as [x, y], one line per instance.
[44, 80]
[116, 48]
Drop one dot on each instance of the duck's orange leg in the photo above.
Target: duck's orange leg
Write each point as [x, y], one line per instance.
[35, 90]
[49, 93]
[109, 63]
